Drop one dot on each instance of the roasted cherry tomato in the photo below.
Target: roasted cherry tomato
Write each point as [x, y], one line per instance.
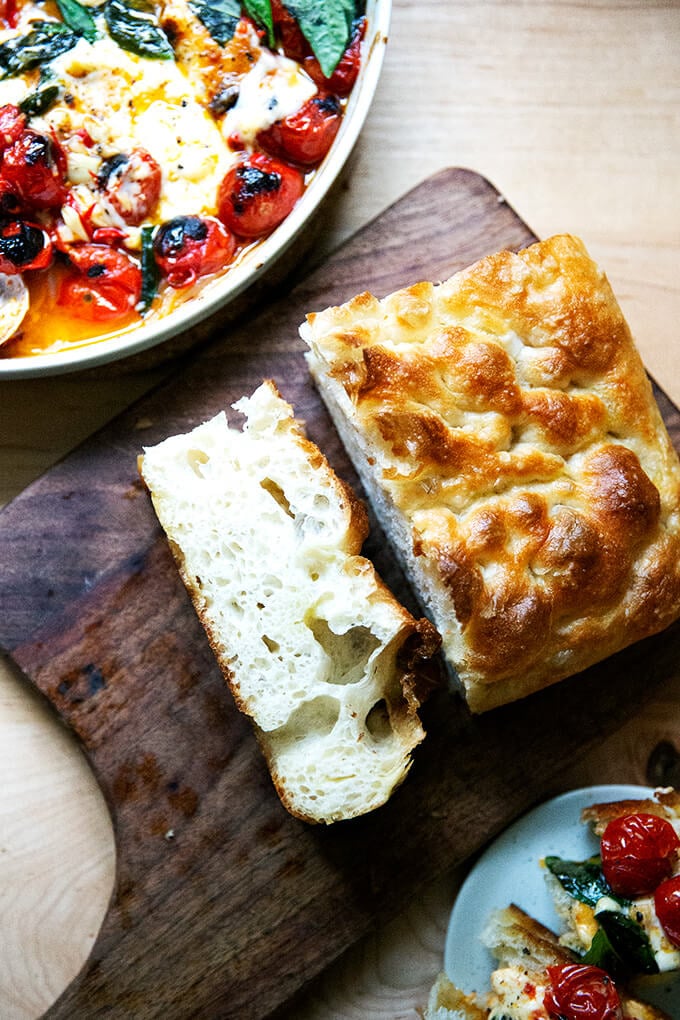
[289, 33]
[23, 246]
[12, 124]
[132, 183]
[31, 166]
[106, 283]
[345, 74]
[191, 246]
[580, 992]
[667, 906]
[306, 135]
[638, 852]
[256, 195]
[9, 14]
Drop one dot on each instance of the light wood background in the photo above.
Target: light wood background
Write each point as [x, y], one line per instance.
[573, 111]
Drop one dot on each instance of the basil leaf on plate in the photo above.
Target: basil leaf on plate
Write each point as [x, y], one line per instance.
[134, 26]
[327, 27]
[583, 880]
[220, 17]
[78, 18]
[149, 269]
[629, 940]
[261, 13]
[45, 41]
[39, 102]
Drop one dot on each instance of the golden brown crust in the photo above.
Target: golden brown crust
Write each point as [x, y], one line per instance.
[513, 426]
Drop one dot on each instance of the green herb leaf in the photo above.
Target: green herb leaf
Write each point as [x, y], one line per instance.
[39, 101]
[630, 942]
[149, 269]
[134, 26]
[78, 18]
[261, 13]
[327, 27]
[220, 17]
[583, 880]
[602, 954]
[47, 40]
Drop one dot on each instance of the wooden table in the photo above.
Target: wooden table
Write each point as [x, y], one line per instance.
[571, 110]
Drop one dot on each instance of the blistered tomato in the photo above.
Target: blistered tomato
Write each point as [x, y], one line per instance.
[667, 906]
[132, 183]
[638, 852]
[191, 246]
[23, 246]
[306, 135]
[346, 73]
[106, 284]
[580, 992]
[256, 195]
[32, 167]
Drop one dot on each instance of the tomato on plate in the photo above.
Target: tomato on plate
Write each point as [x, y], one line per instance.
[187, 247]
[581, 992]
[305, 136]
[638, 852]
[667, 907]
[24, 246]
[132, 183]
[105, 285]
[257, 194]
[33, 167]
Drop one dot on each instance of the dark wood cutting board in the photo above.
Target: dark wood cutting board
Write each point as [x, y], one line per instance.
[224, 905]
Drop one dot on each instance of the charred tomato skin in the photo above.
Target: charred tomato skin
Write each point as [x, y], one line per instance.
[187, 247]
[103, 285]
[638, 852]
[24, 246]
[305, 136]
[132, 183]
[580, 991]
[32, 168]
[255, 196]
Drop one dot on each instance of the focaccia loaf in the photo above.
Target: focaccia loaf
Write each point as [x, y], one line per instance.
[316, 650]
[507, 436]
[524, 949]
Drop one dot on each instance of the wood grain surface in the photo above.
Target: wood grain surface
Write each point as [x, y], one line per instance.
[218, 890]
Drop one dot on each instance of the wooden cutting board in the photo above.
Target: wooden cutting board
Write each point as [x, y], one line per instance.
[224, 905]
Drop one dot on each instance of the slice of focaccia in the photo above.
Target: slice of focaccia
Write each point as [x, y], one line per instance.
[507, 436]
[621, 929]
[535, 979]
[316, 650]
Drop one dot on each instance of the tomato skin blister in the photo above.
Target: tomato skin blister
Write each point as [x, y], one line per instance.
[581, 992]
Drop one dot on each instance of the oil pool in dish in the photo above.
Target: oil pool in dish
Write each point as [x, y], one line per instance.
[144, 148]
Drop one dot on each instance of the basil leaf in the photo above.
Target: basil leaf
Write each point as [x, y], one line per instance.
[220, 17]
[149, 270]
[47, 40]
[327, 27]
[134, 26]
[78, 19]
[261, 13]
[629, 940]
[39, 101]
[583, 880]
[602, 954]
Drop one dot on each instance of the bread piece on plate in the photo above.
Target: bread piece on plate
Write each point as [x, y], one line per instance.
[530, 966]
[328, 665]
[624, 929]
[507, 436]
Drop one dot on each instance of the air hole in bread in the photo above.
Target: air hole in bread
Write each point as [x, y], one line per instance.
[349, 652]
[278, 495]
[272, 645]
[196, 459]
[378, 721]
[313, 718]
